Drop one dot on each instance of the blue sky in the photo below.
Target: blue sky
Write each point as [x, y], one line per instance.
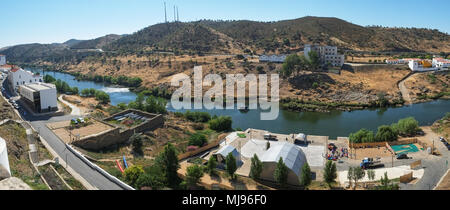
[49, 21]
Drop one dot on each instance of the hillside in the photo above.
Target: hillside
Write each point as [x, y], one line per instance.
[272, 36]
[177, 36]
[97, 43]
[238, 37]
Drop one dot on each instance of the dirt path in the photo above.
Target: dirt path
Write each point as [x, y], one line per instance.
[405, 92]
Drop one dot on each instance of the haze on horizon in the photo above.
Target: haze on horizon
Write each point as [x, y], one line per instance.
[55, 21]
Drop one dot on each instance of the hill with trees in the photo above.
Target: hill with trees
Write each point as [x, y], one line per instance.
[243, 37]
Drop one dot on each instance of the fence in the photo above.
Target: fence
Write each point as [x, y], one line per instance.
[199, 150]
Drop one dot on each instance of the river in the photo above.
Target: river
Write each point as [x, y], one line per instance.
[333, 124]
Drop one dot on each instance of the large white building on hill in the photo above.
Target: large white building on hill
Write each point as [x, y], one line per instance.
[327, 54]
[17, 76]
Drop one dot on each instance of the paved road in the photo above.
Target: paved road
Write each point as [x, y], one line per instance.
[90, 175]
[93, 177]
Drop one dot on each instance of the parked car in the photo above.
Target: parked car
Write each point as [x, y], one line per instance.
[420, 133]
[442, 139]
[402, 156]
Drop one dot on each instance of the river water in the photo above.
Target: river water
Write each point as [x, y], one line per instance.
[333, 124]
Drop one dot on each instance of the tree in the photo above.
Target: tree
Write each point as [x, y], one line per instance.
[330, 172]
[386, 133]
[168, 161]
[350, 175]
[256, 167]
[358, 173]
[212, 164]
[231, 166]
[407, 126]
[305, 178]
[197, 139]
[371, 174]
[386, 183]
[193, 175]
[102, 97]
[49, 79]
[314, 60]
[290, 65]
[281, 172]
[362, 136]
[136, 142]
[132, 174]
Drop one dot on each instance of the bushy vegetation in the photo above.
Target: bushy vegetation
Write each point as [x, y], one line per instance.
[197, 139]
[198, 117]
[222, 123]
[63, 87]
[120, 80]
[99, 95]
[404, 127]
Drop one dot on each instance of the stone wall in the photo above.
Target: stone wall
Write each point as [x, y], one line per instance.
[116, 136]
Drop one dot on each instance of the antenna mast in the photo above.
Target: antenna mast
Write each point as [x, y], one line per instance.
[165, 12]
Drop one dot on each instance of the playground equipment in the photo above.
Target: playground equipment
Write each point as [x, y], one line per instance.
[125, 162]
[120, 167]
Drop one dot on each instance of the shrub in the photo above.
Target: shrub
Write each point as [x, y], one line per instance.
[132, 174]
[193, 174]
[197, 139]
[222, 123]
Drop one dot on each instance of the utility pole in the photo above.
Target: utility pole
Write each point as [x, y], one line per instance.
[178, 15]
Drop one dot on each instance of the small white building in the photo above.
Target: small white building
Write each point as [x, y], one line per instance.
[41, 97]
[17, 76]
[2, 60]
[327, 54]
[272, 58]
[4, 163]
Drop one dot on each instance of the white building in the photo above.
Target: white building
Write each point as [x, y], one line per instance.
[41, 97]
[2, 60]
[17, 76]
[421, 65]
[4, 163]
[396, 61]
[272, 58]
[441, 63]
[327, 54]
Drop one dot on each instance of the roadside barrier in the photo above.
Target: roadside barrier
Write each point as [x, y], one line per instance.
[100, 170]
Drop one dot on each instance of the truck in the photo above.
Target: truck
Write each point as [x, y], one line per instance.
[369, 163]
